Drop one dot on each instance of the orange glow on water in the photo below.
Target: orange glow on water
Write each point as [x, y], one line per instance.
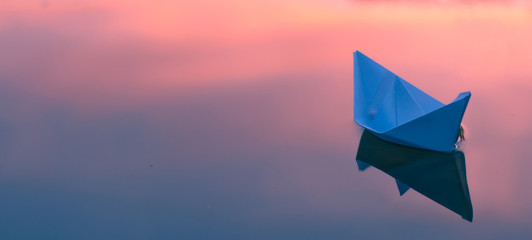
[187, 44]
[105, 55]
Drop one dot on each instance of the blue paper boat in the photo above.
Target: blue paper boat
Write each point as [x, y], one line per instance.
[396, 111]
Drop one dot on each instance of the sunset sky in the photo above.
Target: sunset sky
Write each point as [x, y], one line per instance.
[243, 100]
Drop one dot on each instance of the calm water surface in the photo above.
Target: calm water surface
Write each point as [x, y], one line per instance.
[233, 120]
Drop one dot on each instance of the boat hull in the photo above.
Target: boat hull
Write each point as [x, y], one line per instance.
[396, 111]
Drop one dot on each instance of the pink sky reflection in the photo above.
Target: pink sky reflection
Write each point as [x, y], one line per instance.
[100, 56]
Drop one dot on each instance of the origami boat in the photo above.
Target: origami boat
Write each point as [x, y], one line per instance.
[437, 175]
[396, 111]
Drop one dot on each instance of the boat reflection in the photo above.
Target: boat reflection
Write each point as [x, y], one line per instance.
[439, 176]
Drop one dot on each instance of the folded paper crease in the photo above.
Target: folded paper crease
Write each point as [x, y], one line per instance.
[397, 111]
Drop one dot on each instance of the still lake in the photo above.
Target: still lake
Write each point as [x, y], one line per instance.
[234, 119]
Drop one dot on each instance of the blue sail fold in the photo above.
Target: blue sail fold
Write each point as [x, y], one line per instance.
[397, 111]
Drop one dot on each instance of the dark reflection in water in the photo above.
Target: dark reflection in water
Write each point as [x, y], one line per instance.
[439, 176]
[233, 119]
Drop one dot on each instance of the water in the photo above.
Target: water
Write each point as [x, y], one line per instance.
[233, 120]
